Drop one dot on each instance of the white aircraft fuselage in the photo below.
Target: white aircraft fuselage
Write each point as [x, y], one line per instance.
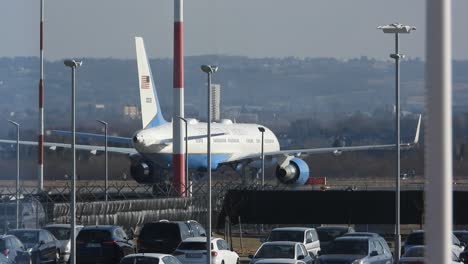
[229, 141]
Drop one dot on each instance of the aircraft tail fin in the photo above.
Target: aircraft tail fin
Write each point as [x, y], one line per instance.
[151, 114]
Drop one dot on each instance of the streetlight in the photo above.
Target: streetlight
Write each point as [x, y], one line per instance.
[209, 69]
[106, 179]
[17, 171]
[73, 65]
[186, 157]
[262, 130]
[396, 29]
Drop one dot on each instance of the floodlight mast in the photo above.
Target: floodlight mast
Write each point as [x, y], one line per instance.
[73, 65]
[209, 70]
[397, 28]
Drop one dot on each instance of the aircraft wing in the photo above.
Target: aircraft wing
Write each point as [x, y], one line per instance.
[283, 154]
[53, 146]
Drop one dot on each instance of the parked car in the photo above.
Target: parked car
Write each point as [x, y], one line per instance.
[196, 229]
[31, 214]
[164, 236]
[62, 233]
[416, 238]
[357, 249]
[416, 255]
[370, 234]
[462, 235]
[103, 244]
[327, 234]
[281, 252]
[193, 250]
[149, 258]
[305, 235]
[13, 251]
[40, 243]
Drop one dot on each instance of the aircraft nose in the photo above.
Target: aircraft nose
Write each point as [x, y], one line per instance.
[138, 138]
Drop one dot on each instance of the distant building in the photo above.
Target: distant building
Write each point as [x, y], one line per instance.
[215, 102]
[131, 111]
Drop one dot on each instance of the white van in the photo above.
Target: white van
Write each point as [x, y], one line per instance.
[307, 236]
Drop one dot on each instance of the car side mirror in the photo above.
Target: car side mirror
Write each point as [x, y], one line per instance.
[319, 252]
[300, 257]
[251, 256]
[263, 240]
[374, 253]
[309, 240]
[42, 242]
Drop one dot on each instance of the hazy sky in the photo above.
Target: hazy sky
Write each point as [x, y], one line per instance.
[255, 28]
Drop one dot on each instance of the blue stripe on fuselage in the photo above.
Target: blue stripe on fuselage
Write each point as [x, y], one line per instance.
[195, 161]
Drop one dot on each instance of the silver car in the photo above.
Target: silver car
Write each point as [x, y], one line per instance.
[62, 233]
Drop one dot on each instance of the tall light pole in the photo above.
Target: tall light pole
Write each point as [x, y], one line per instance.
[106, 179]
[73, 65]
[186, 157]
[262, 130]
[438, 149]
[209, 69]
[397, 29]
[17, 171]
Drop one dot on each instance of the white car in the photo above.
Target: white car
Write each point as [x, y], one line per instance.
[149, 258]
[281, 252]
[193, 250]
[62, 233]
[307, 236]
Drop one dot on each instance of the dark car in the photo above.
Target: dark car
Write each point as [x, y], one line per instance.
[42, 245]
[102, 244]
[358, 249]
[327, 234]
[12, 248]
[165, 236]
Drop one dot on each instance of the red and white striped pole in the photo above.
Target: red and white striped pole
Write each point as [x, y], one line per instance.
[178, 158]
[40, 141]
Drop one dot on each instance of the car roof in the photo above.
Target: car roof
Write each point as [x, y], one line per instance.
[350, 238]
[199, 239]
[460, 231]
[25, 230]
[152, 255]
[100, 227]
[61, 225]
[291, 229]
[6, 236]
[281, 243]
[361, 234]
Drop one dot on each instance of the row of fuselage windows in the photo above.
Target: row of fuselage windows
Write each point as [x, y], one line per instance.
[236, 140]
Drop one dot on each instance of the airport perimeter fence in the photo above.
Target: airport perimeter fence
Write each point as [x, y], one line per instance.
[129, 205]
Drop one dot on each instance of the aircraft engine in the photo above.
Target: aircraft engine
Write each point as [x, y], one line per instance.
[144, 171]
[296, 172]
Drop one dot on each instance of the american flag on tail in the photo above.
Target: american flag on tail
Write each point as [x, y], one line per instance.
[145, 82]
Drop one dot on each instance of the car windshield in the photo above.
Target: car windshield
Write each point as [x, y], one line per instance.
[139, 260]
[94, 235]
[286, 235]
[415, 239]
[415, 252]
[29, 237]
[276, 251]
[165, 231]
[329, 235]
[349, 247]
[61, 233]
[193, 246]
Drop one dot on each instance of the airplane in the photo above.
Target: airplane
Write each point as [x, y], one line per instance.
[233, 144]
